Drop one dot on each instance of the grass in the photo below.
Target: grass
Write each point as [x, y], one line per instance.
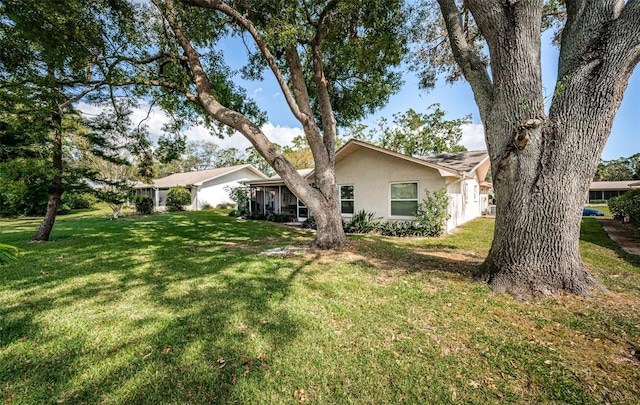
[183, 308]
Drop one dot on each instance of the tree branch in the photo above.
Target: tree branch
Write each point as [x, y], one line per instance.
[627, 29]
[473, 68]
[246, 24]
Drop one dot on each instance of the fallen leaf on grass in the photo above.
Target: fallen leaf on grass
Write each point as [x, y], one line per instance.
[300, 396]
[166, 350]
[262, 357]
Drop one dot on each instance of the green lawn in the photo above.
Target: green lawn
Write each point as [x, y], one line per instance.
[182, 308]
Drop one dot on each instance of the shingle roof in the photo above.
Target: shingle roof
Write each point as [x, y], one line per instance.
[460, 161]
[197, 178]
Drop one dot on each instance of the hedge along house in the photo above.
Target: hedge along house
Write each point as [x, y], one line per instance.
[208, 187]
[389, 184]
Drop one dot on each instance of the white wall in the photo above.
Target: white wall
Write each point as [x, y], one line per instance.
[371, 173]
[213, 192]
[464, 202]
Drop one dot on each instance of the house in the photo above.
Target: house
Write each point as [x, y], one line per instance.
[208, 187]
[604, 190]
[389, 184]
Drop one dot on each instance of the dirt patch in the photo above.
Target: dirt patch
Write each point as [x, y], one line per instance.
[622, 234]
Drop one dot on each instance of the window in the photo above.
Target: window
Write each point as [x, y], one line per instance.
[346, 199]
[404, 199]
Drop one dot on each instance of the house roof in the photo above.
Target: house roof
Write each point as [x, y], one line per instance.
[613, 185]
[199, 177]
[277, 180]
[461, 161]
[448, 164]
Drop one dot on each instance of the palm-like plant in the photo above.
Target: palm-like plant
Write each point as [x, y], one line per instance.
[7, 253]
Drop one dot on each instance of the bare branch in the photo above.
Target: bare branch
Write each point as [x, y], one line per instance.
[473, 68]
[81, 95]
[246, 24]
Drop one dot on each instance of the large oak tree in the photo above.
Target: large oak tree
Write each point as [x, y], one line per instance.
[333, 61]
[542, 158]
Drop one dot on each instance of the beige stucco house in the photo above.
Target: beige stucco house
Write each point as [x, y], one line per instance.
[390, 184]
[208, 187]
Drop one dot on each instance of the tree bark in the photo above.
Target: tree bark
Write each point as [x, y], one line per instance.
[56, 189]
[542, 165]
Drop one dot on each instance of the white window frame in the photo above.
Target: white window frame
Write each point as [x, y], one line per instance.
[391, 200]
[347, 199]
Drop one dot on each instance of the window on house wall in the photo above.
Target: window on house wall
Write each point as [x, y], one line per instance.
[346, 199]
[475, 193]
[404, 198]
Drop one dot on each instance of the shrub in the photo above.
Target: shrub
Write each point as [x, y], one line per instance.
[432, 213]
[242, 197]
[177, 198]
[309, 223]
[400, 228]
[74, 200]
[255, 215]
[626, 207]
[275, 217]
[144, 204]
[7, 253]
[361, 222]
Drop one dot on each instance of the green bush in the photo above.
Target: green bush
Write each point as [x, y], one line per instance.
[626, 207]
[177, 198]
[144, 204]
[275, 217]
[597, 201]
[7, 253]
[309, 223]
[361, 222]
[432, 213]
[72, 200]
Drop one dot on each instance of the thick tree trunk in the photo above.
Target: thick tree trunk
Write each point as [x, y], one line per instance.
[535, 249]
[542, 165]
[56, 190]
[330, 233]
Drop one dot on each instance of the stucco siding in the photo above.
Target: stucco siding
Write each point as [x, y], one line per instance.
[464, 202]
[372, 172]
[213, 192]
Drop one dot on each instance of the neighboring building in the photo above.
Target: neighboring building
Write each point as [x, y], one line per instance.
[208, 187]
[390, 184]
[604, 190]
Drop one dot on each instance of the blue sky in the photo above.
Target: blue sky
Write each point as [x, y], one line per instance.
[456, 100]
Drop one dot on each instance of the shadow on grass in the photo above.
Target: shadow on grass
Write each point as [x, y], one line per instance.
[591, 231]
[142, 309]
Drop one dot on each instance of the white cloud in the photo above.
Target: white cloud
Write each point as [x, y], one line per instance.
[473, 137]
[257, 92]
[157, 118]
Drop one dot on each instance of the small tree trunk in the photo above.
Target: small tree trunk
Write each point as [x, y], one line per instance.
[56, 190]
[116, 210]
[49, 218]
